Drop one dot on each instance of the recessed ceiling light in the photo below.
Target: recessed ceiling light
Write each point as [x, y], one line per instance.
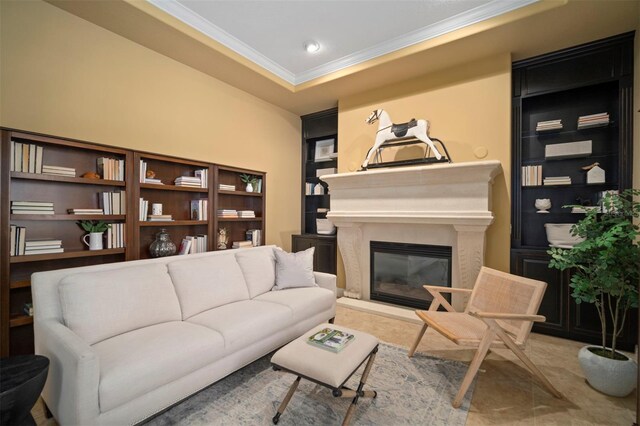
[312, 46]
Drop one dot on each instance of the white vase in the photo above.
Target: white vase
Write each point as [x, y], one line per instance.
[610, 376]
[95, 240]
[249, 188]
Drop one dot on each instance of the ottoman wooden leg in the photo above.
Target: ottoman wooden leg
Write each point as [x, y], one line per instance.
[359, 392]
[285, 401]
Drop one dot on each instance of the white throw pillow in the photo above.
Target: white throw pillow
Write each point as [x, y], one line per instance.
[258, 267]
[294, 269]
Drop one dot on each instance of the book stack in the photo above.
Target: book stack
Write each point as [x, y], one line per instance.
[557, 180]
[188, 181]
[143, 175]
[227, 213]
[593, 120]
[193, 244]
[199, 209]
[246, 213]
[43, 247]
[26, 158]
[258, 186]
[111, 168]
[330, 339]
[114, 202]
[203, 174]
[85, 211]
[159, 218]
[18, 236]
[59, 171]
[241, 244]
[545, 126]
[144, 209]
[224, 187]
[31, 207]
[115, 236]
[322, 210]
[255, 236]
[531, 175]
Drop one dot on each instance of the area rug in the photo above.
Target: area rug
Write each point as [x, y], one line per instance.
[410, 392]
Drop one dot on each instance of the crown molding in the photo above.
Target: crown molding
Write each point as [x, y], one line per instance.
[465, 19]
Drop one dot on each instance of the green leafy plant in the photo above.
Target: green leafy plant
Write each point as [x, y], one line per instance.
[606, 265]
[248, 179]
[93, 226]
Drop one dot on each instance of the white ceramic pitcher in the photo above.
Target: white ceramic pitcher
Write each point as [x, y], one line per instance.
[95, 240]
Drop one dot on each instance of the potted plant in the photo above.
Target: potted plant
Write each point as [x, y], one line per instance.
[606, 271]
[95, 230]
[249, 180]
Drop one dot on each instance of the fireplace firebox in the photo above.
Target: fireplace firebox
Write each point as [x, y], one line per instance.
[399, 270]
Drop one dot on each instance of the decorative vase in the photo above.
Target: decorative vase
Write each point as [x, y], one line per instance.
[95, 240]
[612, 377]
[543, 205]
[249, 187]
[162, 246]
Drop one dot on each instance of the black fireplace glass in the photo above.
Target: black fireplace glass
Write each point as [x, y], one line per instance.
[399, 270]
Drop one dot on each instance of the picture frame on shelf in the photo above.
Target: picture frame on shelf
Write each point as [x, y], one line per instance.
[324, 149]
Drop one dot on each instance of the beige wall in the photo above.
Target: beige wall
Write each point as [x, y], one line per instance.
[64, 76]
[469, 109]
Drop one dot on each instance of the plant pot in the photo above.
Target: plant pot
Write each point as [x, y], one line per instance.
[249, 188]
[95, 240]
[610, 376]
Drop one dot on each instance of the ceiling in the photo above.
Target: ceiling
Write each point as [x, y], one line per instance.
[528, 30]
[272, 33]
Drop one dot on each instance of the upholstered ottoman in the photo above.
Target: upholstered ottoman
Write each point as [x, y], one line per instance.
[327, 368]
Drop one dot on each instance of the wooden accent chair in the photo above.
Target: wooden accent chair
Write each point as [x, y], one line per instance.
[500, 312]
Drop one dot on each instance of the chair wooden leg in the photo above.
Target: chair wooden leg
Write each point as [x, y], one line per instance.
[525, 359]
[481, 353]
[415, 344]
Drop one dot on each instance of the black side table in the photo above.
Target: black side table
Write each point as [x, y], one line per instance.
[21, 381]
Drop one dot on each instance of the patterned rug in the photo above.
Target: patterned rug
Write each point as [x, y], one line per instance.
[410, 392]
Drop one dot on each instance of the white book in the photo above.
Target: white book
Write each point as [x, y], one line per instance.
[32, 203]
[17, 157]
[36, 243]
[45, 251]
[32, 158]
[32, 212]
[39, 154]
[12, 242]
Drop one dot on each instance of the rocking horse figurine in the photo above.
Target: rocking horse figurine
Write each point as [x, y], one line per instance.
[389, 131]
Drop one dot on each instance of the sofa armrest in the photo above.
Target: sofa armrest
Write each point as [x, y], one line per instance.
[325, 280]
[71, 390]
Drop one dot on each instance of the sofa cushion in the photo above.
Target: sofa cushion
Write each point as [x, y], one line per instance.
[294, 269]
[259, 269]
[207, 282]
[245, 322]
[137, 362]
[99, 305]
[304, 302]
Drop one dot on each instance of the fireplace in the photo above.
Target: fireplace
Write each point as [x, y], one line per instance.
[399, 270]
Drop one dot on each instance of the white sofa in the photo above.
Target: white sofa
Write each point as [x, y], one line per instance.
[127, 340]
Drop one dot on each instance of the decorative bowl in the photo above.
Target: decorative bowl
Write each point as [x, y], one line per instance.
[543, 204]
[559, 235]
[325, 227]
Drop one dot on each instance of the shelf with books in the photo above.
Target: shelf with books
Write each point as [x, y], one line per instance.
[163, 223]
[162, 187]
[66, 179]
[587, 89]
[55, 217]
[238, 202]
[65, 255]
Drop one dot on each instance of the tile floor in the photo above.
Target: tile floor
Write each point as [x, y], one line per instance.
[505, 393]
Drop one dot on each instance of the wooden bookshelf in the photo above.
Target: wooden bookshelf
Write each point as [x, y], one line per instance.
[239, 199]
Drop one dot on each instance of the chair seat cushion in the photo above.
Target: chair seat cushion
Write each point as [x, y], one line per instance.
[304, 302]
[134, 363]
[459, 327]
[245, 322]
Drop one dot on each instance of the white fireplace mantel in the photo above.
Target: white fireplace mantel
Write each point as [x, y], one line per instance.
[442, 204]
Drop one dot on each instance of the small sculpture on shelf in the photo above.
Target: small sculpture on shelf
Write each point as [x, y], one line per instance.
[595, 174]
[150, 174]
[162, 246]
[387, 130]
[543, 205]
[91, 175]
[223, 239]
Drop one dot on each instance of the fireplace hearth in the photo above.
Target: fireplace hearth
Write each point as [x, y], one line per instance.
[399, 270]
